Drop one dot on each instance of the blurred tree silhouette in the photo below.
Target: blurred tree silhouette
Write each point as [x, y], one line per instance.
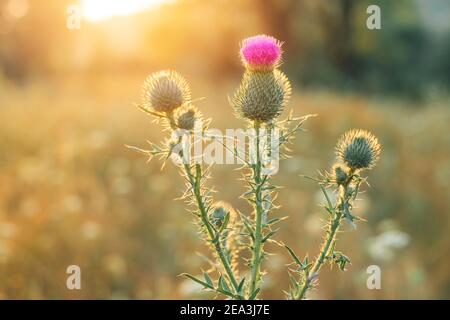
[35, 43]
[327, 43]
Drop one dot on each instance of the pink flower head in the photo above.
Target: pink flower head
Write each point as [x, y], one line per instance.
[261, 52]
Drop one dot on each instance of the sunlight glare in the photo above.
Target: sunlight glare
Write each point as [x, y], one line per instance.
[97, 10]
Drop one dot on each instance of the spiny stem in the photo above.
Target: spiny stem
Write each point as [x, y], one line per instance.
[333, 228]
[195, 184]
[257, 245]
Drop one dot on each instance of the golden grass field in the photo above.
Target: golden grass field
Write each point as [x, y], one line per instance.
[72, 193]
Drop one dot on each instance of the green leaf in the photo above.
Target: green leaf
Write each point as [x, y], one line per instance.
[293, 280]
[225, 222]
[254, 294]
[264, 180]
[330, 211]
[272, 187]
[249, 228]
[330, 205]
[348, 216]
[241, 285]
[215, 240]
[294, 256]
[206, 285]
[341, 260]
[223, 284]
[267, 237]
[208, 279]
[275, 220]
[223, 287]
[247, 193]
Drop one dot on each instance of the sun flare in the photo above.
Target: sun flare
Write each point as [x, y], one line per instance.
[97, 10]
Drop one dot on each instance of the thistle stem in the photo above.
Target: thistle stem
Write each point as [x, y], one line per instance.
[195, 184]
[257, 245]
[331, 234]
[333, 228]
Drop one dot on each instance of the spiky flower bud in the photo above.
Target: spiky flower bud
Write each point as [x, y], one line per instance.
[261, 52]
[261, 95]
[165, 91]
[339, 173]
[358, 149]
[230, 236]
[264, 90]
[219, 212]
[185, 118]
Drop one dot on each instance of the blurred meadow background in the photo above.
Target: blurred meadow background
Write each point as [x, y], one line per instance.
[72, 193]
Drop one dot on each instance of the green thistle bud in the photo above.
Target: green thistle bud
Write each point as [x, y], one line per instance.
[185, 118]
[261, 95]
[225, 218]
[358, 149]
[340, 173]
[219, 212]
[165, 91]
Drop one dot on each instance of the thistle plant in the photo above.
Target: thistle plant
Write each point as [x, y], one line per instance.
[357, 151]
[259, 100]
[166, 96]
[237, 239]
